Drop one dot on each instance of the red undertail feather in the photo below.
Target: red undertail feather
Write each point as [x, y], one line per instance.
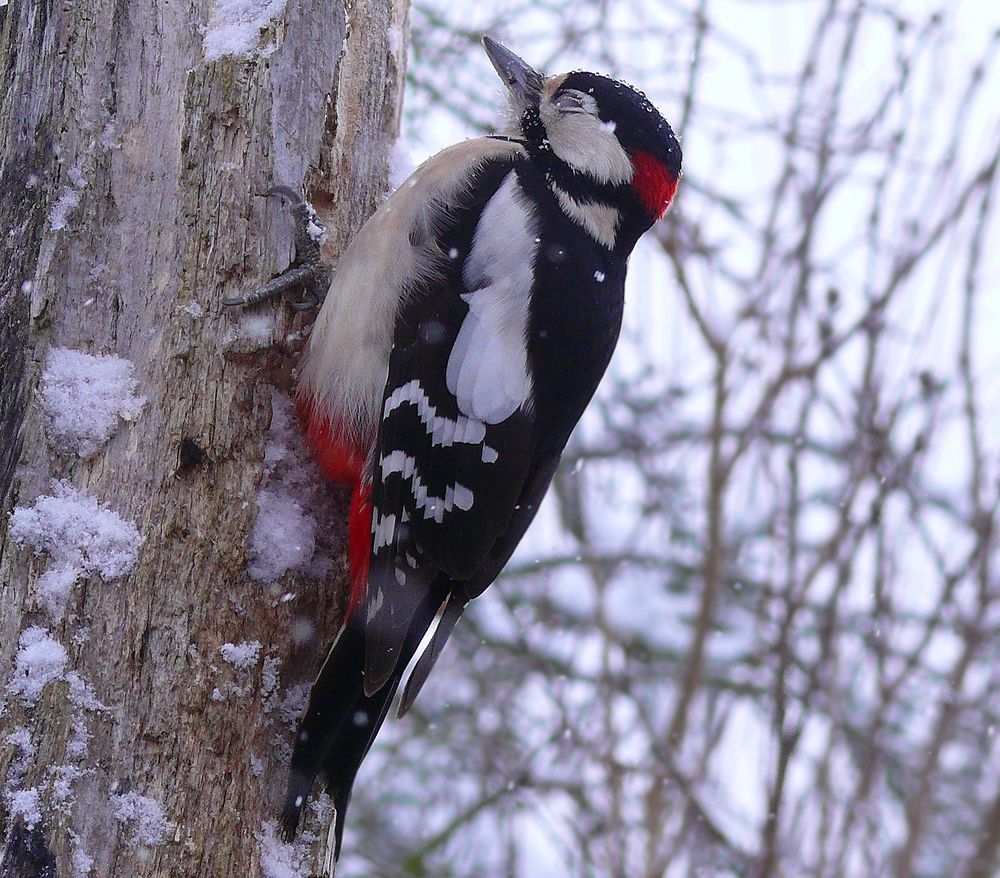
[341, 459]
[359, 535]
[340, 456]
[653, 183]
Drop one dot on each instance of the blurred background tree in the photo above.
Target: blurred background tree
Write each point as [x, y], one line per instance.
[754, 631]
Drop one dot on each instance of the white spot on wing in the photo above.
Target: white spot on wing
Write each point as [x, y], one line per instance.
[463, 497]
[375, 605]
[490, 455]
[488, 366]
[443, 431]
[384, 530]
[436, 508]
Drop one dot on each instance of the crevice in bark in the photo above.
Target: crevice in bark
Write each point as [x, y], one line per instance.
[27, 854]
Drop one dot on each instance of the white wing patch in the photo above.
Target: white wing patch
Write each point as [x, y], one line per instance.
[455, 496]
[344, 368]
[488, 367]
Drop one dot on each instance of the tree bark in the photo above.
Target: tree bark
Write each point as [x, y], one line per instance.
[129, 162]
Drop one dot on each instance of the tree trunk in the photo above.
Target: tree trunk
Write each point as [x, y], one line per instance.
[133, 138]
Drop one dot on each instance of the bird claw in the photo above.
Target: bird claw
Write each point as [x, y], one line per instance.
[307, 271]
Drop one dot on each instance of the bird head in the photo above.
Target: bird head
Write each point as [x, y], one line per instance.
[613, 143]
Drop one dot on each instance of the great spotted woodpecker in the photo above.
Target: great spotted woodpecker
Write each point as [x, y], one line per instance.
[466, 330]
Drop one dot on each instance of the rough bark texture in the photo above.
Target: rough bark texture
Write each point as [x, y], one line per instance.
[116, 102]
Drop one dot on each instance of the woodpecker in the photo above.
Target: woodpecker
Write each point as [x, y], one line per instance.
[465, 332]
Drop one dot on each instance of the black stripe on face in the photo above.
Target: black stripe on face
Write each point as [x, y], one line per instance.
[582, 187]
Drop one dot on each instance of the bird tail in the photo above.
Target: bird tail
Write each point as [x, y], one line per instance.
[341, 721]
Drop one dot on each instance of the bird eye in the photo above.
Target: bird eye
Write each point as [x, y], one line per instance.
[571, 102]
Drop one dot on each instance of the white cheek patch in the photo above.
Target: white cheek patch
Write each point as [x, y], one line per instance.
[587, 145]
[488, 367]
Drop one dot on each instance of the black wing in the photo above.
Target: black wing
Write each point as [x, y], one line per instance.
[446, 483]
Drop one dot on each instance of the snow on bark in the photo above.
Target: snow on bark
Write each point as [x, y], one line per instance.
[165, 224]
[80, 536]
[235, 26]
[143, 816]
[242, 656]
[27, 805]
[83, 863]
[39, 661]
[20, 740]
[292, 496]
[86, 398]
[66, 203]
[279, 859]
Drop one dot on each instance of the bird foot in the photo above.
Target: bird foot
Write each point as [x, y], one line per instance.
[307, 272]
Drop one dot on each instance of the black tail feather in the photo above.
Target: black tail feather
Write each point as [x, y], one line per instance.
[333, 695]
[350, 747]
[341, 721]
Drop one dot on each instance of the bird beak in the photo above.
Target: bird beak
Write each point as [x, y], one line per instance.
[522, 80]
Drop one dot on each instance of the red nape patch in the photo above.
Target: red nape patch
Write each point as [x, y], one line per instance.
[359, 540]
[653, 183]
[340, 457]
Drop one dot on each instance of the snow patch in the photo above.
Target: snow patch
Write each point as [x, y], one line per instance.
[76, 177]
[269, 680]
[83, 863]
[394, 36]
[242, 656]
[258, 328]
[400, 163]
[66, 203]
[143, 816]
[27, 805]
[85, 398]
[279, 859]
[283, 538]
[20, 740]
[80, 537]
[63, 778]
[40, 660]
[234, 26]
[293, 705]
[286, 534]
[315, 228]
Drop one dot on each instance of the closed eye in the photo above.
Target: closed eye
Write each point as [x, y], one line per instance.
[571, 101]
